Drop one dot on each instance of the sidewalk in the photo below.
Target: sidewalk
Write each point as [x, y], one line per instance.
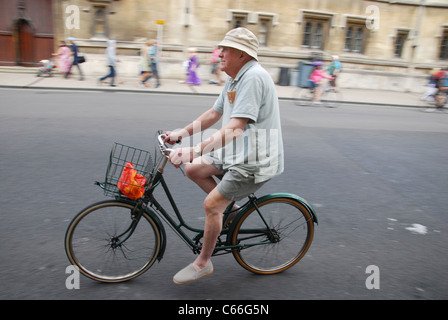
[17, 78]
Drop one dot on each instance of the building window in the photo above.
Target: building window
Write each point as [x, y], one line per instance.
[355, 38]
[100, 29]
[314, 34]
[239, 20]
[444, 45]
[315, 27]
[400, 40]
[263, 33]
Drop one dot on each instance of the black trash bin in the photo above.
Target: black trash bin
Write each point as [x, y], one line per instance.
[283, 79]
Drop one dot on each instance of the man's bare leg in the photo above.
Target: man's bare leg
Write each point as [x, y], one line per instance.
[214, 205]
[202, 173]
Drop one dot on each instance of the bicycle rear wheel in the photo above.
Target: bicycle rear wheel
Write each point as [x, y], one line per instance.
[101, 243]
[273, 238]
[302, 96]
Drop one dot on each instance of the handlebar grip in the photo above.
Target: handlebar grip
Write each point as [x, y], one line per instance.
[162, 146]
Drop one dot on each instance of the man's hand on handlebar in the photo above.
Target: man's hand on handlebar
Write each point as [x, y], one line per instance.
[180, 156]
[173, 137]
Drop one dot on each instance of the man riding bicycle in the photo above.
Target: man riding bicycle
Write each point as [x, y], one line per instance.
[245, 153]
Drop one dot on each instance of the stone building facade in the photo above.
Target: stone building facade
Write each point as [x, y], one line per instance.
[384, 44]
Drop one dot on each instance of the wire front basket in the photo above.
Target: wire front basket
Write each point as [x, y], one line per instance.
[120, 157]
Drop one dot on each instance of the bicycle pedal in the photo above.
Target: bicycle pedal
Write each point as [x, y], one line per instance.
[230, 218]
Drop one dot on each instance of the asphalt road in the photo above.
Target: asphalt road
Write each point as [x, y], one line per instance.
[377, 177]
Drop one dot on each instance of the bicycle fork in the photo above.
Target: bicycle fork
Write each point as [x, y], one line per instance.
[136, 215]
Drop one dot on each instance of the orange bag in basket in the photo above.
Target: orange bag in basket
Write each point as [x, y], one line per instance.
[131, 183]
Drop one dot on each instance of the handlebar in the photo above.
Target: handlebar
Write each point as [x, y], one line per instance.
[164, 150]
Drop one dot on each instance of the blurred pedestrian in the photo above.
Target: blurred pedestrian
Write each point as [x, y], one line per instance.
[153, 59]
[215, 62]
[193, 78]
[145, 67]
[75, 59]
[63, 57]
[334, 69]
[111, 56]
[431, 87]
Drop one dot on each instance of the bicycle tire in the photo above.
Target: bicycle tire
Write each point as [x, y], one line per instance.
[331, 99]
[302, 97]
[292, 229]
[91, 243]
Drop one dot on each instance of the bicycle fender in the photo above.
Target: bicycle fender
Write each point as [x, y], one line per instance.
[294, 197]
[299, 199]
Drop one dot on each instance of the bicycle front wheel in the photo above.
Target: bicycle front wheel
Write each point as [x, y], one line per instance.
[331, 98]
[302, 96]
[274, 236]
[106, 244]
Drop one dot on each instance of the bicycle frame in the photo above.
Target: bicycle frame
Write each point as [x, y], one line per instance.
[179, 225]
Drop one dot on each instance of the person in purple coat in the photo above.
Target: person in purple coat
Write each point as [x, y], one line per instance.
[193, 78]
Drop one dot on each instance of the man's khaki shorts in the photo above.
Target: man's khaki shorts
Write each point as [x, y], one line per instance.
[233, 185]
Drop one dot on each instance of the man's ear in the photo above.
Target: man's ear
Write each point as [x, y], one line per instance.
[245, 56]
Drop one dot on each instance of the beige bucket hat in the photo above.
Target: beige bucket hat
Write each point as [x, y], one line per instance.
[241, 39]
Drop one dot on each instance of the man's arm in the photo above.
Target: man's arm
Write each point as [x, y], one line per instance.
[224, 136]
[219, 139]
[203, 122]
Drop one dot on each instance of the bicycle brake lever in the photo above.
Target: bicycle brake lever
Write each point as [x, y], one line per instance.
[182, 170]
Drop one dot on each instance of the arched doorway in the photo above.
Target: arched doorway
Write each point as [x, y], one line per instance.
[24, 43]
[26, 31]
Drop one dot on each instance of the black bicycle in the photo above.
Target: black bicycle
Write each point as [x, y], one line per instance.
[118, 240]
